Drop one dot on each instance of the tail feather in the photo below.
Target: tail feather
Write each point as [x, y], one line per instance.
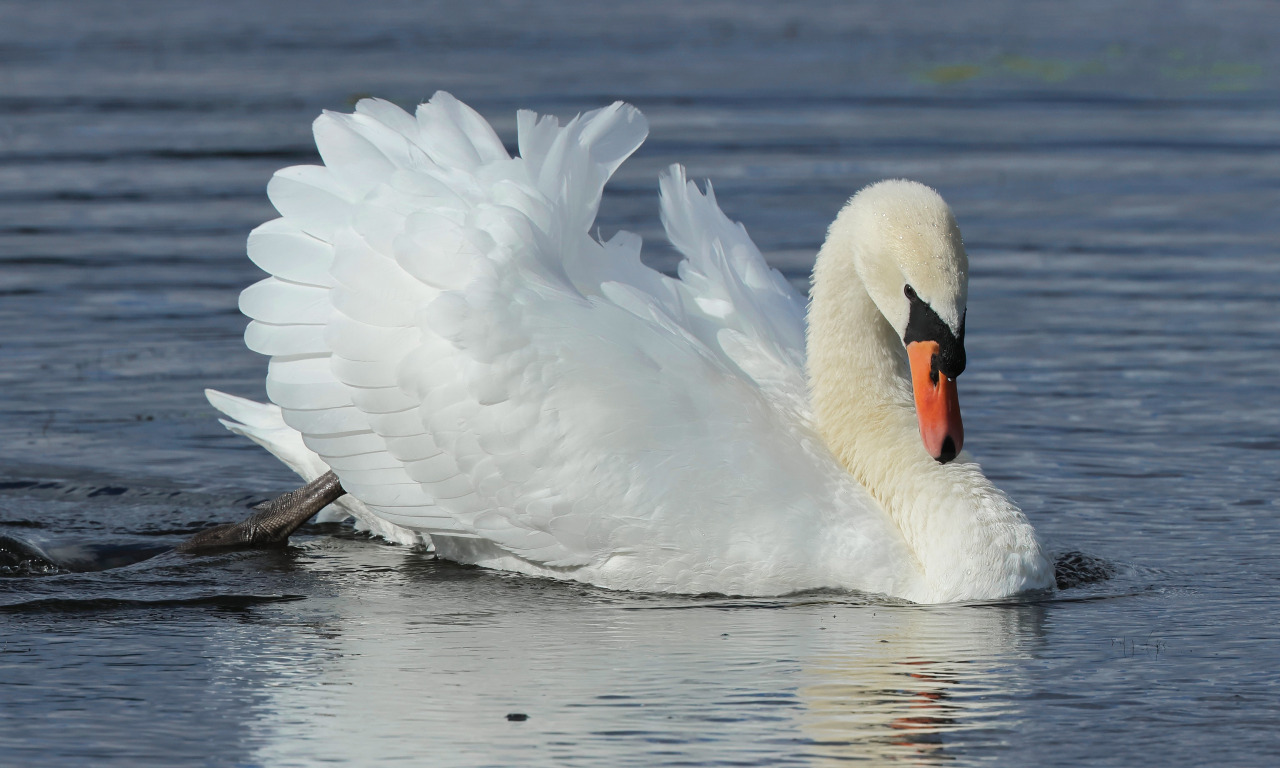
[263, 424]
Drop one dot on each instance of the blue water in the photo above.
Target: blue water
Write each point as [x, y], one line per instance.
[1115, 171]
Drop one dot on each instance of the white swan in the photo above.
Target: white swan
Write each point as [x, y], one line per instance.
[446, 336]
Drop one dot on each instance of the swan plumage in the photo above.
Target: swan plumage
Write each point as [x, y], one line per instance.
[483, 374]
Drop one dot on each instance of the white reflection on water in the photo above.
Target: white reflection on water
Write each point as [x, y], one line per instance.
[926, 680]
[416, 659]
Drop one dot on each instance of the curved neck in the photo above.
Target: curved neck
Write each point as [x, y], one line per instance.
[860, 387]
[968, 538]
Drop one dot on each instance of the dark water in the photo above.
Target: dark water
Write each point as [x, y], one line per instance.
[1116, 172]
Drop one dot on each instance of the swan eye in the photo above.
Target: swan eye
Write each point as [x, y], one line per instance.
[909, 292]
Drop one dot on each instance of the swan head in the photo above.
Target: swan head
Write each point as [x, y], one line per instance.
[908, 253]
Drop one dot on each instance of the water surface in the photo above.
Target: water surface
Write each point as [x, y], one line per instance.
[1116, 174]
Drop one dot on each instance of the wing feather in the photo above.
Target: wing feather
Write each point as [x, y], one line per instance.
[355, 161]
[726, 273]
[280, 248]
[454, 136]
[280, 302]
[488, 369]
[343, 444]
[311, 198]
[343, 420]
[387, 127]
[268, 339]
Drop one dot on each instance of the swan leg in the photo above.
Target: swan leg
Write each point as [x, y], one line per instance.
[272, 522]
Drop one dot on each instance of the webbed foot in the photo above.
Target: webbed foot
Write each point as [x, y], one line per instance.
[273, 521]
[1074, 569]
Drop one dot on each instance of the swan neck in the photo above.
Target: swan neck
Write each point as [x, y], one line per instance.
[859, 378]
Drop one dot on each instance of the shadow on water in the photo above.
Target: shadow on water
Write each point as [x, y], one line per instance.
[225, 602]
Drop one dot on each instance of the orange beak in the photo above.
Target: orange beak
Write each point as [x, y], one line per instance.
[937, 405]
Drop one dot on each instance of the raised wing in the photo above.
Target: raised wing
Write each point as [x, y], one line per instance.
[758, 318]
[446, 336]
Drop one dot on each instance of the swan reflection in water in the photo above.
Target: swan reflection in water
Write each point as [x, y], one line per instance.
[937, 679]
[412, 656]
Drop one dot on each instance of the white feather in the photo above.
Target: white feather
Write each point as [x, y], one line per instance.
[280, 248]
[352, 158]
[311, 198]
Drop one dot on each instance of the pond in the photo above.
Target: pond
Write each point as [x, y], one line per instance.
[1116, 174]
